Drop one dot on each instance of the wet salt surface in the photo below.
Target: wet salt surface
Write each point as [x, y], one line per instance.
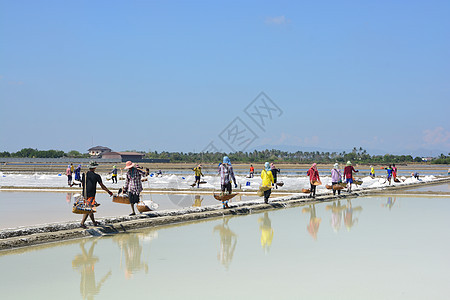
[432, 188]
[348, 249]
[33, 208]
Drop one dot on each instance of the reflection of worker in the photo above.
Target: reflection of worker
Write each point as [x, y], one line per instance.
[132, 251]
[197, 201]
[228, 240]
[85, 263]
[314, 221]
[266, 232]
[336, 214]
[348, 215]
[389, 203]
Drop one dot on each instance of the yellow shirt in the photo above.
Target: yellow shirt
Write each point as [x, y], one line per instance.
[267, 178]
[198, 171]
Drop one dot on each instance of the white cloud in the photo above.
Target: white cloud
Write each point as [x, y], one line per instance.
[280, 20]
[437, 136]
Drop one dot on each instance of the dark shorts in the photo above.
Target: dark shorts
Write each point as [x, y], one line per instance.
[197, 178]
[349, 180]
[134, 198]
[226, 187]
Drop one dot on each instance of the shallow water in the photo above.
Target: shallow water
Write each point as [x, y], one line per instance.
[365, 248]
[33, 208]
[433, 188]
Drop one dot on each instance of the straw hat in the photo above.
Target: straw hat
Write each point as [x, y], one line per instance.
[349, 163]
[129, 165]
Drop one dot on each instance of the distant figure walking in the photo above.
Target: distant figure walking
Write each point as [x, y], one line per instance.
[267, 181]
[114, 174]
[389, 174]
[275, 171]
[394, 171]
[78, 174]
[226, 176]
[89, 182]
[313, 174]
[372, 172]
[198, 174]
[69, 175]
[335, 177]
[252, 171]
[348, 174]
[133, 184]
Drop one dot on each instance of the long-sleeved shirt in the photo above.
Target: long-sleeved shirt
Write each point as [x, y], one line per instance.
[226, 174]
[133, 183]
[313, 174]
[198, 171]
[335, 175]
[267, 178]
[348, 172]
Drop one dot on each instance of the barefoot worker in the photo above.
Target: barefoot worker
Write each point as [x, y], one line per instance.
[267, 181]
[226, 175]
[314, 178]
[198, 174]
[133, 184]
[335, 178]
[348, 174]
[89, 182]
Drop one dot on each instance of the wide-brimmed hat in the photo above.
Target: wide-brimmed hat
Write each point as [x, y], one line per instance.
[92, 164]
[336, 166]
[349, 163]
[129, 165]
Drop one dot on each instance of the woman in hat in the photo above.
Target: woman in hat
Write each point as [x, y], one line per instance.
[313, 174]
[133, 184]
[335, 177]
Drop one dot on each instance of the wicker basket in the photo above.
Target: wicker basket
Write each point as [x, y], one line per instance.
[142, 207]
[121, 199]
[224, 197]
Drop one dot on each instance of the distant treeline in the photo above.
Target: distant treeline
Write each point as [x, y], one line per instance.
[356, 156]
[34, 153]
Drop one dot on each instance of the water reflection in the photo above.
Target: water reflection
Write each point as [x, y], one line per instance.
[390, 202]
[131, 251]
[314, 221]
[69, 197]
[336, 214]
[266, 232]
[228, 241]
[85, 264]
[197, 201]
[349, 219]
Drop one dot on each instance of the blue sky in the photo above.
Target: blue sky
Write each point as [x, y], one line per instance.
[172, 75]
